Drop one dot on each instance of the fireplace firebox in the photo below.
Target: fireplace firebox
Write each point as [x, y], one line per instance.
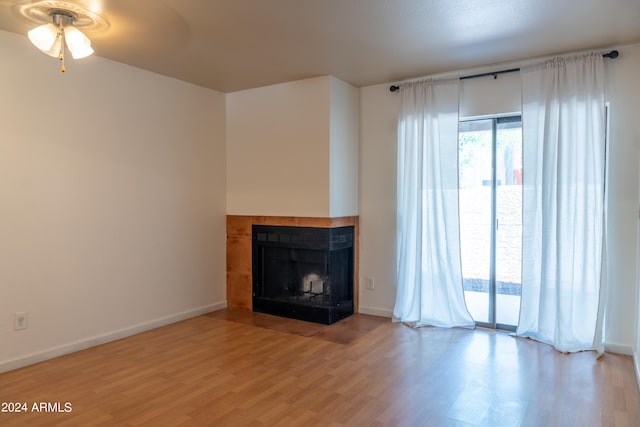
[304, 273]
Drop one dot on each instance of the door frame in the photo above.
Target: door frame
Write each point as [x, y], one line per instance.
[495, 120]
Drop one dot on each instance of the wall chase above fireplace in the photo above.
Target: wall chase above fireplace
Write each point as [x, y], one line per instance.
[303, 273]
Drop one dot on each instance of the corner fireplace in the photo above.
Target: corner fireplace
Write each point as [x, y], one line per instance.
[304, 273]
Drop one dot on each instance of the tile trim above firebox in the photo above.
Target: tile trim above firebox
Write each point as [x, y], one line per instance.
[239, 280]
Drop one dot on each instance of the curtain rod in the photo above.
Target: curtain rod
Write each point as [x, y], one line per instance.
[613, 54]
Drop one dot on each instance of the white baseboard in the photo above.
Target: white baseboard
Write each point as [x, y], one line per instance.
[375, 311]
[72, 347]
[610, 347]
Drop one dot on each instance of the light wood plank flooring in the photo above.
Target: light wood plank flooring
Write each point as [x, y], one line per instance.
[221, 370]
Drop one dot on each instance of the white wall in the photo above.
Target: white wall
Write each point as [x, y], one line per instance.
[112, 201]
[378, 115]
[487, 96]
[278, 149]
[292, 149]
[624, 96]
[636, 350]
[377, 192]
[343, 129]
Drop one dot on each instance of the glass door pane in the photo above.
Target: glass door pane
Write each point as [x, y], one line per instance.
[508, 220]
[475, 195]
[490, 194]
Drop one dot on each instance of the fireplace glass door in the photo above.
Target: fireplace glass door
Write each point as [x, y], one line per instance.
[302, 272]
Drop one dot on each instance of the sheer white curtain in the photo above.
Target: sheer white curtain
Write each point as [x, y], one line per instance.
[429, 272]
[563, 116]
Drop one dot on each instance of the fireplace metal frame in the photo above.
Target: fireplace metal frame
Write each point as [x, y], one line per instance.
[337, 245]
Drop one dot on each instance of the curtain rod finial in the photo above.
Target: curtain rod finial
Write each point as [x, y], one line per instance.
[394, 88]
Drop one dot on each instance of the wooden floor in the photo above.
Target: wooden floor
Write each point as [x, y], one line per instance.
[224, 369]
[344, 332]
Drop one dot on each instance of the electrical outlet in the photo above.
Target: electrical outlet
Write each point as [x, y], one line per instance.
[370, 283]
[20, 321]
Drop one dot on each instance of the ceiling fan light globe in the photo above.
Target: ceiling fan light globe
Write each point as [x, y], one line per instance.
[44, 37]
[77, 42]
[55, 49]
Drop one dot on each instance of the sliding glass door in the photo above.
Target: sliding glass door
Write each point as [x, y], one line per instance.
[490, 183]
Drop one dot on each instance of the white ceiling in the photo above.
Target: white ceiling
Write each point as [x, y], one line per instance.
[229, 45]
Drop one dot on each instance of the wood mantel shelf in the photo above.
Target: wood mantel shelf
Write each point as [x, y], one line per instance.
[239, 279]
